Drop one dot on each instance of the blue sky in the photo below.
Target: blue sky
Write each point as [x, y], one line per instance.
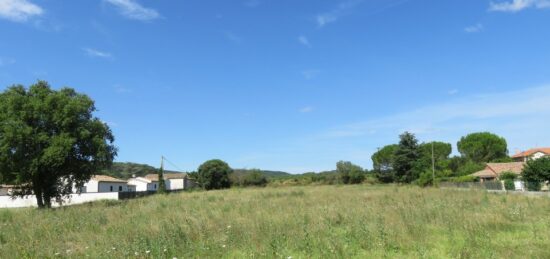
[293, 85]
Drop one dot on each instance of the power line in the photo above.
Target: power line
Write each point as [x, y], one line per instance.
[174, 165]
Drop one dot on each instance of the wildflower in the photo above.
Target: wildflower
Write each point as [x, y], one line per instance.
[114, 248]
[229, 226]
[86, 247]
[289, 257]
[223, 246]
[165, 250]
[68, 251]
[136, 253]
[57, 253]
[147, 251]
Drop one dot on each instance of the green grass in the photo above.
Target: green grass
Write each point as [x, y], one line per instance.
[301, 222]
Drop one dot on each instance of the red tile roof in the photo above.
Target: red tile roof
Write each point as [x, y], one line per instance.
[106, 178]
[545, 150]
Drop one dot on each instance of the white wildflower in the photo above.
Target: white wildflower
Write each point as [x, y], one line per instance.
[223, 246]
[147, 251]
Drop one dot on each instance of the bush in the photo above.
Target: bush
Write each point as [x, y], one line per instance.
[533, 186]
[537, 170]
[508, 176]
[255, 178]
[464, 179]
[509, 185]
[214, 174]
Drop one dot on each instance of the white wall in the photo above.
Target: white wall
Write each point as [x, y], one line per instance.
[112, 187]
[174, 184]
[141, 186]
[30, 201]
[153, 186]
[90, 186]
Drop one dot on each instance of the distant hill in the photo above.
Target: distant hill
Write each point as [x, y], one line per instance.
[267, 173]
[126, 170]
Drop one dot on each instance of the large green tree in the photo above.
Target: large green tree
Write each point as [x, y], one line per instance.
[483, 147]
[406, 158]
[382, 162]
[214, 174]
[535, 172]
[350, 173]
[50, 141]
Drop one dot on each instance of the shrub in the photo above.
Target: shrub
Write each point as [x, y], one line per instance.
[214, 174]
[255, 178]
[533, 186]
[464, 179]
[508, 176]
[509, 185]
[537, 170]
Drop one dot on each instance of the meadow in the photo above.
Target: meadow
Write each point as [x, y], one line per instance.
[362, 221]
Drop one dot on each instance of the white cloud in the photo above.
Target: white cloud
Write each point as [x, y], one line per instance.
[306, 109]
[19, 10]
[6, 61]
[310, 73]
[304, 41]
[474, 28]
[97, 53]
[233, 37]
[133, 10]
[518, 5]
[481, 112]
[333, 15]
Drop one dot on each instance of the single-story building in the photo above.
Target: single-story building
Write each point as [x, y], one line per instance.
[531, 154]
[173, 181]
[493, 170]
[105, 183]
[6, 189]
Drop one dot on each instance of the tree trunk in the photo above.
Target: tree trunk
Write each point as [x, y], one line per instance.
[39, 199]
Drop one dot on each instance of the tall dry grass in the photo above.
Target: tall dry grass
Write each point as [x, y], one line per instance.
[297, 222]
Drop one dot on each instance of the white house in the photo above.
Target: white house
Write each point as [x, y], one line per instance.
[531, 154]
[104, 183]
[173, 181]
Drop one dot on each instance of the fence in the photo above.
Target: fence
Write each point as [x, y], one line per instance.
[30, 201]
[498, 185]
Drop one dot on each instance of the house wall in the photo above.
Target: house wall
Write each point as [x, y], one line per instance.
[112, 187]
[537, 155]
[141, 186]
[90, 186]
[30, 201]
[189, 183]
[175, 184]
[153, 186]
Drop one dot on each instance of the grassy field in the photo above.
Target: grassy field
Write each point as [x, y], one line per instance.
[297, 222]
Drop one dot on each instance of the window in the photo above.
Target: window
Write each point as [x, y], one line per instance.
[111, 188]
[120, 188]
[155, 186]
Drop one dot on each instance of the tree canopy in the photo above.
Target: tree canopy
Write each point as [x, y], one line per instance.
[537, 170]
[350, 173]
[483, 147]
[50, 141]
[405, 158]
[214, 174]
[382, 162]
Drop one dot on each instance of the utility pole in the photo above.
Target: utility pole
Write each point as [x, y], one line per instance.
[162, 184]
[433, 165]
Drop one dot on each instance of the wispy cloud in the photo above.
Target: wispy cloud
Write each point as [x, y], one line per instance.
[518, 5]
[311, 73]
[252, 3]
[474, 28]
[133, 10]
[19, 10]
[97, 53]
[6, 61]
[120, 89]
[306, 109]
[476, 113]
[232, 37]
[333, 15]
[304, 41]
[453, 91]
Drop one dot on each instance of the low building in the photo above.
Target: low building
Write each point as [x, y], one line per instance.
[6, 189]
[105, 183]
[173, 181]
[492, 171]
[531, 154]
